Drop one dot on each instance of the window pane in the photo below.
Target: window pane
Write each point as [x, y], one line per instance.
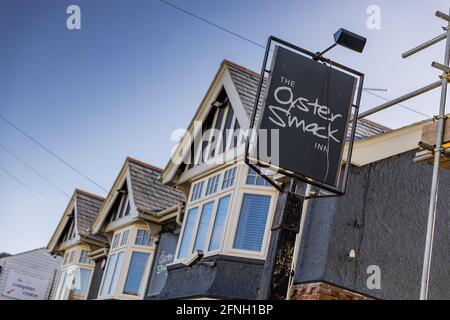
[108, 275]
[61, 286]
[228, 178]
[197, 191]
[251, 179]
[127, 210]
[203, 226]
[252, 222]
[84, 258]
[116, 241]
[125, 238]
[219, 223]
[66, 258]
[187, 233]
[260, 181]
[211, 187]
[256, 179]
[139, 237]
[72, 253]
[116, 275]
[82, 282]
[146, 239]
[136, 272]
[227, 128]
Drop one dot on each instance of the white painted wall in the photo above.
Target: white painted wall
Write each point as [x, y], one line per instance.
[35, 263]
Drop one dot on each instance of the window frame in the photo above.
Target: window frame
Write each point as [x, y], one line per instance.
[87, 261]
[150, 241]
[236, 193]
[144, 274]
[199, 204]
[127, 251]
[76, 253]
[233, 225]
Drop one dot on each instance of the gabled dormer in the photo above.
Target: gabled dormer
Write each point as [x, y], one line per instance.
[137, 195]
[216, 134]
[131, 217]
[75, 225]
[73, 240]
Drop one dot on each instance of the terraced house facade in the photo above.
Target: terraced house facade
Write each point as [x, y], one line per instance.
[200, 227]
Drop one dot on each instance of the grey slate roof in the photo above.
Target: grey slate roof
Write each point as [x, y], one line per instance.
[4, 254]
[87, 207]
[150, 194]
[246, 83]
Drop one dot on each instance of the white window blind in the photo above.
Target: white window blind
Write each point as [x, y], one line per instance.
[252, 222]
[136, 272]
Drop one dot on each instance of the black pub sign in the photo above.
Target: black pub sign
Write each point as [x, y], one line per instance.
[308, 104]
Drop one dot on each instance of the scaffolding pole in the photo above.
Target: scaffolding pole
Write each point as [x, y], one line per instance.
[437, 150]
[435, 178]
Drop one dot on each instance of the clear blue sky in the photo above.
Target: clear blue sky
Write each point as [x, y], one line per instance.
[138, 70]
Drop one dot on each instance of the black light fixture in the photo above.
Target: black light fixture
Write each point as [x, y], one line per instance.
[350, 40]
[347, 39]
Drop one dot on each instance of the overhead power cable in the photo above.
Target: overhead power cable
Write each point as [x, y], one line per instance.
[12, 176]
[51, 152]
[263, 46]
[400, 105]
[34, 170]
[212, 23]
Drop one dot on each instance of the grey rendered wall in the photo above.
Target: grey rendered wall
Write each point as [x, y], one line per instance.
[383, 218]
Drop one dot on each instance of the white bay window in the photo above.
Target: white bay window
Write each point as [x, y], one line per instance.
[75, 275]
[231, 215]
[128, 263]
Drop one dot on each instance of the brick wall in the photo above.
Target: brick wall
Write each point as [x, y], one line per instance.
[324, 291]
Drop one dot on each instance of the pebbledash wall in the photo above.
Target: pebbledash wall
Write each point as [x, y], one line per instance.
[383, 218]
